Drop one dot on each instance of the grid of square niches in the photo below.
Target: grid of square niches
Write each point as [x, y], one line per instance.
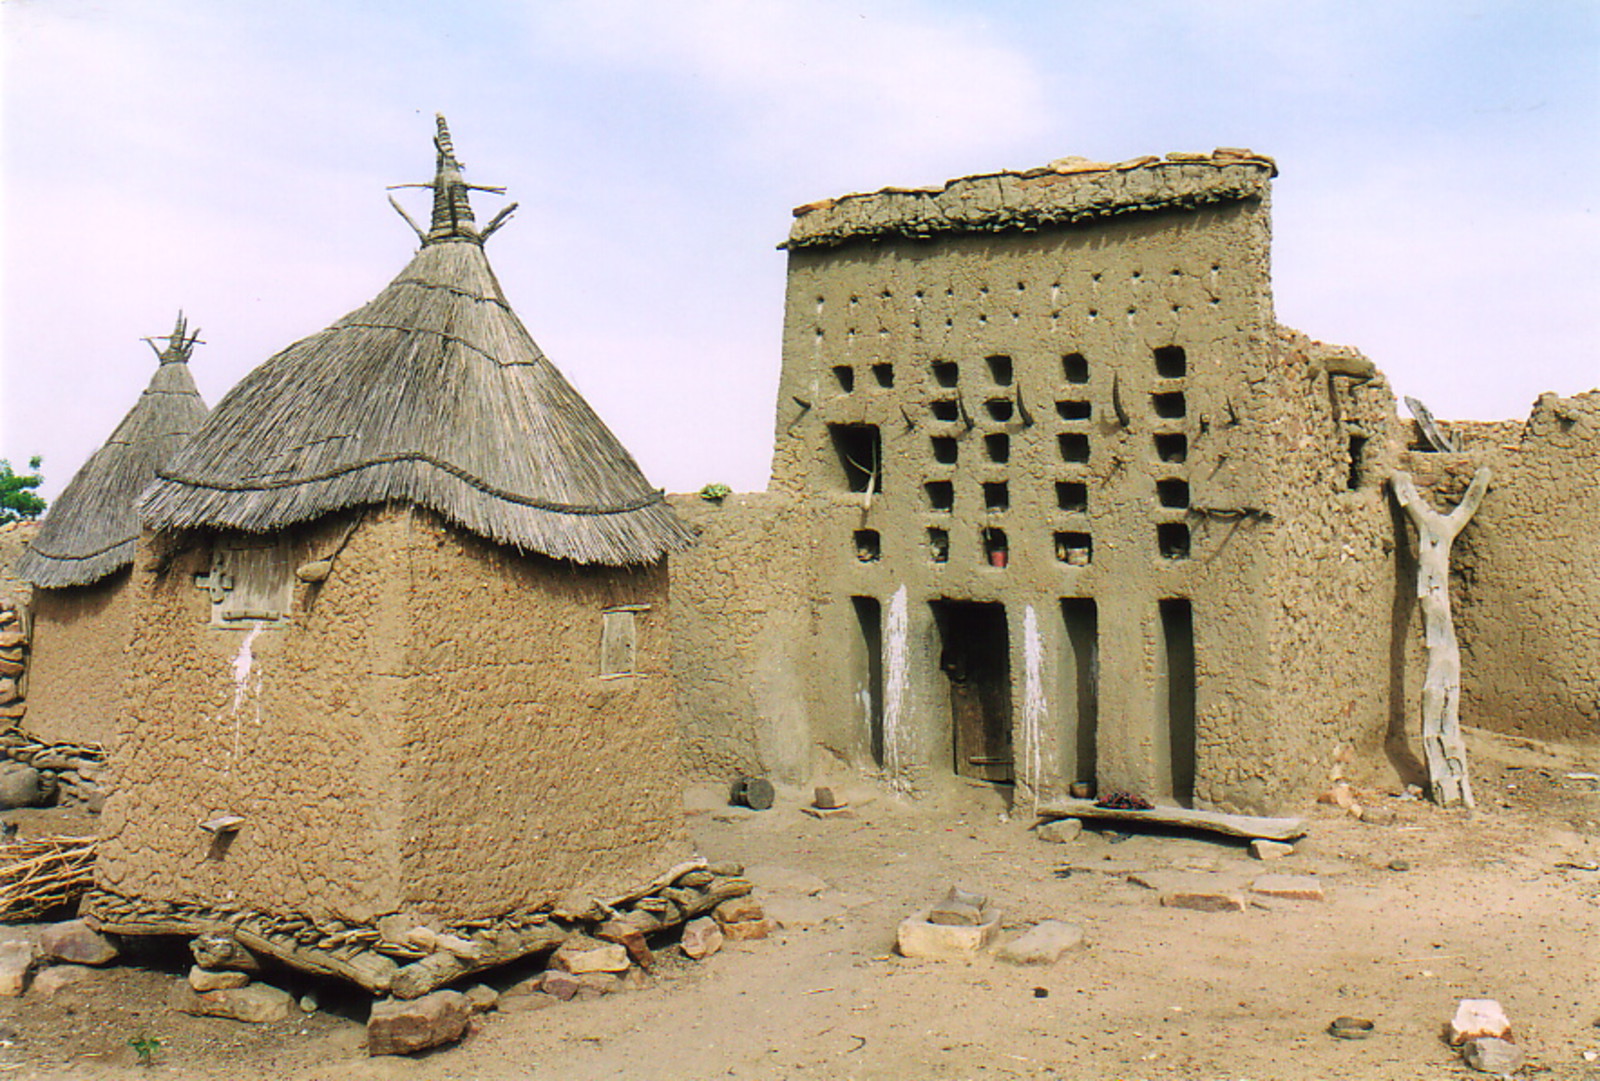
[966, 425]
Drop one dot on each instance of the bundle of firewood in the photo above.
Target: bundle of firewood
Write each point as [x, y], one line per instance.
[44, 874]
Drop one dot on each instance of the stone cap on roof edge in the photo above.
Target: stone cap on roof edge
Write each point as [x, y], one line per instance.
[1065, 191]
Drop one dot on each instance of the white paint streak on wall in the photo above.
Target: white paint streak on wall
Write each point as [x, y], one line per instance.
[896, 733]
[1034, 706]
[243, 663]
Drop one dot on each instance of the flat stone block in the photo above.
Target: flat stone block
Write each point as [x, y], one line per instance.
[747, 930]
[204, 979]
[405, 1026]
[1201, 893]
[74, 942]
[1041, 945]
[1289, 887]
[256, 1003]
[48, 982]
[16, 961]
[1060, 830]
[942, 942]
[580, 954]
[1477, 1017]
[701, 938]
[1270, 850]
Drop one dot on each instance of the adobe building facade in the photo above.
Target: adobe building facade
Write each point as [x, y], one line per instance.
[81, 610]
[1056, 501]
[400, 618]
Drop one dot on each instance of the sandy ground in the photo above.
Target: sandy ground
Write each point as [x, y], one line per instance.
[1495, 905]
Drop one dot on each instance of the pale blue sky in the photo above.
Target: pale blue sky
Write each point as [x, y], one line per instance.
[1436, 206]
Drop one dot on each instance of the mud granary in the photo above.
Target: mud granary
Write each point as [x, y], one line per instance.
[399, 616]
[1055, 500]
[79, 563]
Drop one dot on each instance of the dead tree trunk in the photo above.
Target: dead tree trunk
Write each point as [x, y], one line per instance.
[1443, 747]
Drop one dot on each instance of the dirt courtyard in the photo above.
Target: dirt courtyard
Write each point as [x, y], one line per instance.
[1426, 909]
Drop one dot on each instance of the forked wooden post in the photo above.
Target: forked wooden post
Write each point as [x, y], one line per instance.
[1442, 744]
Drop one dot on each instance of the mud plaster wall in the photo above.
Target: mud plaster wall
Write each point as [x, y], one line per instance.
[1113, 292]
[296, 727]
[77, 666]
[1525, 582]
[430, 709]
[1332, 599]
[526, 775]
[741, 636]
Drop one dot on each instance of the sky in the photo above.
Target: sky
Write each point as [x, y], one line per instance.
[1435, 208]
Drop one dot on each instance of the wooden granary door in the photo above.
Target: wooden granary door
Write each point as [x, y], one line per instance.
[975, 656]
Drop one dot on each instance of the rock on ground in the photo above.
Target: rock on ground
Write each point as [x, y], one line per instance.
[1202, 893]
[1060, 831]
[48, 982]
[1041, 945]
[257, 1003]
[16, 961]
[701, 938]
[1270, 850]
[75, 942]
[203, 980]
[919, 938]
[1477, 1017]
[1289, 887]
[1494, 1056]
[404, 1026]
[580, 954]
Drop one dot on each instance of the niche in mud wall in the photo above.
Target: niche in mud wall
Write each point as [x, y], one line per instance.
[1080, 691]
[865, 677]
[1174, 742]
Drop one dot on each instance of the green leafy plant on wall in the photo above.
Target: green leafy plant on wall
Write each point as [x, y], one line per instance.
[18, 500]
[715, 493]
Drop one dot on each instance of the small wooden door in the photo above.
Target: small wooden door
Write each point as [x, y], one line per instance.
[975, 655]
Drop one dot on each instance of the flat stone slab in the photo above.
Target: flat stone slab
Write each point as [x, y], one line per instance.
[943, 942]
[1247, 826]
[1041, 945]
[1289, 887]
[256, 1004]
[1199, 892]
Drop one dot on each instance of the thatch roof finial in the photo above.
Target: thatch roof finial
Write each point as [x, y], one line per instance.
[452, 210]
[180, 343]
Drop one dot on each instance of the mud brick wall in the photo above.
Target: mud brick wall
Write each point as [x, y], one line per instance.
[78, 668]
[1526, 578]
[298, 729]
[741, 627]
[428, 730]
[526, 775]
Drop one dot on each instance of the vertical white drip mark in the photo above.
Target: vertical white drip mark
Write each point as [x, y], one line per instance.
[896, 737]
[243, 662]
[1034, 706]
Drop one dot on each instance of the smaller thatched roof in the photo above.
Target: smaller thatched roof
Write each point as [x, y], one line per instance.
[90, 530]
[432, 394]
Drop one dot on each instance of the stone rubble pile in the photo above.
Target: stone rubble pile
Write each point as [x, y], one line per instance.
[34, 773]
[38, 774]
[13, 664]
[408, 959]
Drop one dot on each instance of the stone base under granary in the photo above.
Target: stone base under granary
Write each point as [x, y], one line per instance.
[407, 956]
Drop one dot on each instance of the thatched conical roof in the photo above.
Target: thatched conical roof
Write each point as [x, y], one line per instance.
[435, 395]
[91, 528]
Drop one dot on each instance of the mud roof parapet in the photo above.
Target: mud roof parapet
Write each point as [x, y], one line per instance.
[1065, 192]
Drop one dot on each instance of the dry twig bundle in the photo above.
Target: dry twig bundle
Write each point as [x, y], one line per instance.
[42, 874]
